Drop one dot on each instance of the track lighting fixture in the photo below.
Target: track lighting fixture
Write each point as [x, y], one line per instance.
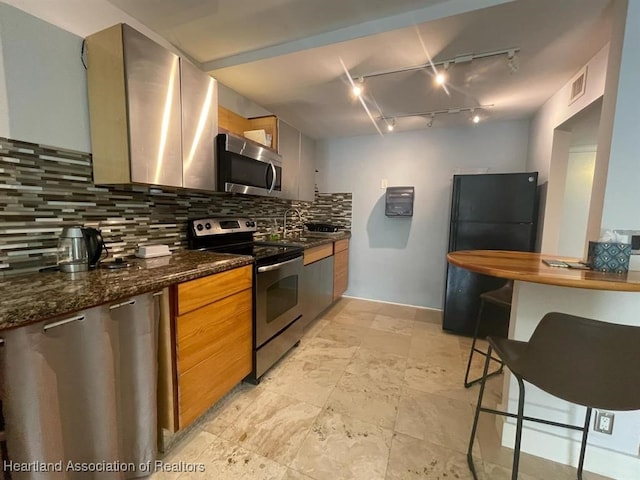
[512, 62]
[441, 76]
[439, 71]
[466, 58]
[358, 87]
[475, 117]
[392, 125]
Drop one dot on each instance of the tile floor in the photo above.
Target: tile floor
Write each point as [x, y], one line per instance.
[373, 392]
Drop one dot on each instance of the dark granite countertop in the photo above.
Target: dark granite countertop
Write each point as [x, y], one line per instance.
[34, 297]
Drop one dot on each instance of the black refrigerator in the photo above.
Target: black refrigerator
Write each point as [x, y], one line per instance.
[488, 212]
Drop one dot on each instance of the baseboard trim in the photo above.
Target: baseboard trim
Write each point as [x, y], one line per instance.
[420, 307]
[567, 451]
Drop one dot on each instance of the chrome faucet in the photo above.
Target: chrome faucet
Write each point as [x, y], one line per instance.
[284, 223]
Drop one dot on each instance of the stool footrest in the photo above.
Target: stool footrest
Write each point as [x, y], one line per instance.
[532, 419]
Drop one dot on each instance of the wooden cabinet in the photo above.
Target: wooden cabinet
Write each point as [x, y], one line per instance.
[152, 114]
[289, 142]
[307, 169]
[297, 150]
[237, 124]
[317, 253]
[316, 286]
[213, 339]
[340, 268]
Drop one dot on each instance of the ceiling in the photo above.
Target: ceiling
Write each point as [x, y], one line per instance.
[290, 56]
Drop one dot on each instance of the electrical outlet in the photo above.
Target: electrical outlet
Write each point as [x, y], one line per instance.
[384, 183]
[604, 422]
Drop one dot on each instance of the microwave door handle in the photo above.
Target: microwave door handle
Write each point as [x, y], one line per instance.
[273, 182]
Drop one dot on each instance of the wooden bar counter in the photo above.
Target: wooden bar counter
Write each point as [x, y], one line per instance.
[539, 289]
[528, 267]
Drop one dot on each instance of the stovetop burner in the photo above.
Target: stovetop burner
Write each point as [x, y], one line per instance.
[263, 253]
[235, 235]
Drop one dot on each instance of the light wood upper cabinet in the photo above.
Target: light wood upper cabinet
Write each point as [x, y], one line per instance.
[134, 102]
[297, 152]
[199, 100]
[307, 169]
[289, 141]
[231, 122]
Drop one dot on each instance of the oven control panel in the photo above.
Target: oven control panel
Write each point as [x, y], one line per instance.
[203, 227]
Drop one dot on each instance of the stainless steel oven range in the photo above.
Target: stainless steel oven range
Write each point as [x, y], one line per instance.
[276, 284]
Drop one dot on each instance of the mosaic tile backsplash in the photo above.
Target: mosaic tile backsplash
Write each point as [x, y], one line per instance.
[43, 189]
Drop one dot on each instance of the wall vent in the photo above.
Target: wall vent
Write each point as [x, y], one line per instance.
[578, 85]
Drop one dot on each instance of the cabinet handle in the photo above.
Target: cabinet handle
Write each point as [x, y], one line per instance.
[62, 322]
[1, 342]
[122, 304]
[157, 294]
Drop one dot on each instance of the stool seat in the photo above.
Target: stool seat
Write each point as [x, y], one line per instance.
[501, 297]
[580, 360]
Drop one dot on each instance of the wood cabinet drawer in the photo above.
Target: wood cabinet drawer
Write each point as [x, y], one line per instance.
[317, 253]
[214, 353]
[203, 332]
[340, 273]
[200, 292]
[341, 245]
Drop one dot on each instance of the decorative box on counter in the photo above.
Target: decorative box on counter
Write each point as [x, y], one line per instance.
[609, 257]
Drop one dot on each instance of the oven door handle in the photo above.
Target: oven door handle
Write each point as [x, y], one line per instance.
[276, 266]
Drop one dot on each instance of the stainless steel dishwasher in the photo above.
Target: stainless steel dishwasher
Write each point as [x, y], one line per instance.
[316, 289]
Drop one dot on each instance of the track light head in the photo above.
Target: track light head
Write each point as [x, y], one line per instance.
[512, 62]
[391, 126]
[430, 122]
[358, 87]
[441, 76]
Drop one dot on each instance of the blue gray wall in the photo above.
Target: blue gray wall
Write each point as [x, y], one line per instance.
[42, 83]
[403, 259]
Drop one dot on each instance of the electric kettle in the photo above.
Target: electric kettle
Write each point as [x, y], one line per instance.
[79, 248]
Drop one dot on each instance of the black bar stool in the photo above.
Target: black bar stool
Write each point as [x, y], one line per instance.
[579, 360]
[500, 297]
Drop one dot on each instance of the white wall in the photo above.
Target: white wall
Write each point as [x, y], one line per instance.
[232, 100]
[43, 86]
[43, 90]
[403, 259]
[541, 145]
[575, 207]
[622, 194]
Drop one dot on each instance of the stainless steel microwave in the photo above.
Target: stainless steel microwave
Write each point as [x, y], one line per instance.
[247, 167]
